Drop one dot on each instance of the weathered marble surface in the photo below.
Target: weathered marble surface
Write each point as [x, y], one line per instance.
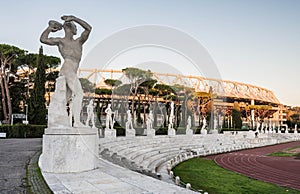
[150, 132]
[70, 49]
[130, 131]
[109, 178]
[171, 132]
[91, 115]
[203, 131]
[69, 150]
[189, 131]
[57, 113]
[110, 134]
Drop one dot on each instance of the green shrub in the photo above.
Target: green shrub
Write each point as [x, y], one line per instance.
[162, 131]
[180, 130]
[23, 131]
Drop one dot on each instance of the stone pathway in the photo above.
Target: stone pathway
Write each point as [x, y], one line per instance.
[108, 179]
[14, 156]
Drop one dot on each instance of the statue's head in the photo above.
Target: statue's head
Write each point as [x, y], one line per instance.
[70, 27]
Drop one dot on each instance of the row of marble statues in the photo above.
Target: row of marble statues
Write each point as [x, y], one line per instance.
[150, 131]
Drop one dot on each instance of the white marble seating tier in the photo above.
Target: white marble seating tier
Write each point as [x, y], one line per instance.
[145, 151]
[142, 145]
[149, 154]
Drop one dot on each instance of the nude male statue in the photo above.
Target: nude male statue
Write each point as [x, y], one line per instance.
[91, 115]
[71, 51]
[129, 121]
[171, 118]
[109, 121]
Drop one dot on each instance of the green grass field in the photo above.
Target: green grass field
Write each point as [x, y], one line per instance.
[204, 174]
[286, 153]
[282, 154]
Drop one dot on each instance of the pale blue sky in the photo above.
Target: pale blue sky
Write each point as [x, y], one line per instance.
[256, 42]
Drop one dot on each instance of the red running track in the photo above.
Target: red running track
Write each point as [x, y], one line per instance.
[283, 171]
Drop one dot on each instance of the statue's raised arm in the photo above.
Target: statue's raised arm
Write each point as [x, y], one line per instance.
[53, 26]
[87, 28]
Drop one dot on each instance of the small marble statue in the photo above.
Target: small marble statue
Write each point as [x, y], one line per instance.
[171, 118]
[262, 127]
[91, 115]
[109, 131]
[130, 131]
[171, 130]
[129, 121]
[189, 131]
[221, 119]
[257, 125]
[204, 123]
[215, 123]
[203, 129]
[109, 120]
[71, 51]
[189, 123]
[149, 122]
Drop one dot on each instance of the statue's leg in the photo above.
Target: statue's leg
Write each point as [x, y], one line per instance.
[77, 96]
[111, 123]
[77, 105]
[93, 120]
[87, 120]
[107, 123]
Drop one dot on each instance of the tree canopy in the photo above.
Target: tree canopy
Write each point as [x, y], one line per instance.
[112, 82]
[37, 107]
[16, 85]
[86, 85]
[10, 58]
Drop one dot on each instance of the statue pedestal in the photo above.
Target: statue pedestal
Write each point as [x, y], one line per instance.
[214, 131]
[171, 132]
[251, 134]
[130, 133]
[69, 150]
[189, 132]
[150, 132]
[110, 133]
[203, 132]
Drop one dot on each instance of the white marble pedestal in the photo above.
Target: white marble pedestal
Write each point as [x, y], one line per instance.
[150, 132]
[251, 134]
[203, 132]
[130, 133]
[189, 132]
[110, 133]
[69, 150]
[171, 132]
